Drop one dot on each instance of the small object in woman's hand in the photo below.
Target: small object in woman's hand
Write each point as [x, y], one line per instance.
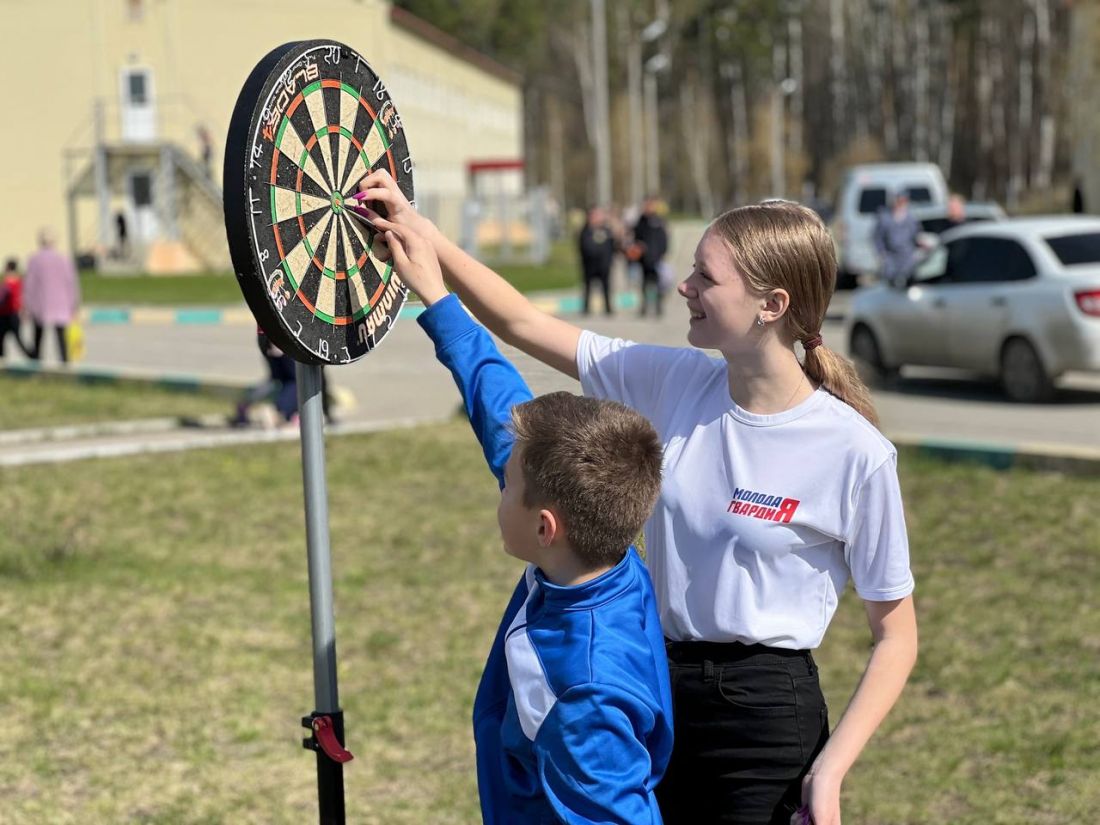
[356, 212]
[802, 816]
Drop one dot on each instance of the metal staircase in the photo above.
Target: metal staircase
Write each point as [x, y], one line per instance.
[199, 217]
[186, 201]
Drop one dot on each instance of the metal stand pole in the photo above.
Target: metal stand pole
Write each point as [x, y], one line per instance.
[327, 720]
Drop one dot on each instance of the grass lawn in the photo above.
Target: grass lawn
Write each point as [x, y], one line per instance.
[42, 401]
[154, 623]
[161, 290]
[559, 272]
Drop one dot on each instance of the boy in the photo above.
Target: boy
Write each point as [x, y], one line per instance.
[573, 716]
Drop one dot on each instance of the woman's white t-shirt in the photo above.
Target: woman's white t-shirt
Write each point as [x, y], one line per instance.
[762, 518]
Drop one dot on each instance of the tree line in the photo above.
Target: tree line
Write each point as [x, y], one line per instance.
[758, 98]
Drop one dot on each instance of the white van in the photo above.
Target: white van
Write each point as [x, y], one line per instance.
[864, 190]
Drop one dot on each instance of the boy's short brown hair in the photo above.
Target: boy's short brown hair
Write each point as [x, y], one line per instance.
[597, 462]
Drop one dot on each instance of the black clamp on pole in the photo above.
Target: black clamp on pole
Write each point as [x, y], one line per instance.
[327, 740]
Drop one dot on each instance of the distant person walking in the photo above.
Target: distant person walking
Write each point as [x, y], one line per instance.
[597, 249]
[11, 304]
[206, 149]
[896, 240]
[123, 235]
[650, 247]
[51, 294]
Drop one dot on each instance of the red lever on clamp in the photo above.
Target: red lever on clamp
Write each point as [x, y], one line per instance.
[326, 738]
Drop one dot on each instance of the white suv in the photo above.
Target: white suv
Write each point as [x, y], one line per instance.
[1018, 299]
[864, 191]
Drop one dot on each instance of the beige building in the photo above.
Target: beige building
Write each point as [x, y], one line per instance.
[126, 97]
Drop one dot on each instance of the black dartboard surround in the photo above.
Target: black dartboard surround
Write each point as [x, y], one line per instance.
[311, 120]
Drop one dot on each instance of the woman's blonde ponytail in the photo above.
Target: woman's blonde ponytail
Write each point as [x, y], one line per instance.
[838, 375]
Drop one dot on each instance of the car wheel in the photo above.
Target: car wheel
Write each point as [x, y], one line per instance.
[868, 357]
[1023, 375]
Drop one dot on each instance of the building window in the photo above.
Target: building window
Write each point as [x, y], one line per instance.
[137, 88]
[135, 10]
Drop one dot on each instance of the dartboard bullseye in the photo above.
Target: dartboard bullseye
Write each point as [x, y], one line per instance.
[311, 120]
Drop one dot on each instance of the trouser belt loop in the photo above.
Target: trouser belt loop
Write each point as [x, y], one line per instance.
[708, 670]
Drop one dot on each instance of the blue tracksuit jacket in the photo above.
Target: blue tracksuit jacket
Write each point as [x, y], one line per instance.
[573, 716]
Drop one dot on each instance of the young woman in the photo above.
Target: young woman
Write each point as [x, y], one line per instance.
[778, 489]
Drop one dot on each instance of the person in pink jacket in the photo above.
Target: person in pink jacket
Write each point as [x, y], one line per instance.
[51, 293]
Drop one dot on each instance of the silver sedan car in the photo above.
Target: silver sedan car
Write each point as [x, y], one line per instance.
[1017, 299]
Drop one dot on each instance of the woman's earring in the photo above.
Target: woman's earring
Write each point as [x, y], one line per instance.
[760, 320]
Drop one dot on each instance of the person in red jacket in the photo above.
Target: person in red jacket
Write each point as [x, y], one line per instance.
[11, 304]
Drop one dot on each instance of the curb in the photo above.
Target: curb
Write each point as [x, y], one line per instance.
[195, 316]
[1061, 458]
[192, 440]
[99, 429]
[192, 316]
[72, 432]
[552, 302]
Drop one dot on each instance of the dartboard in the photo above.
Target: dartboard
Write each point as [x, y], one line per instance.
[311, 120]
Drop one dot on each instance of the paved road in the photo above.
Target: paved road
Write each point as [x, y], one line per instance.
[923, 405]
[403, 381]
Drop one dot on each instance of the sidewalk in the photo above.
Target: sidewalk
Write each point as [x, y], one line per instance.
[400, 383]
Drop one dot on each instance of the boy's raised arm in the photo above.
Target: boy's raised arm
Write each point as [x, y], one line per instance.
[489, 384]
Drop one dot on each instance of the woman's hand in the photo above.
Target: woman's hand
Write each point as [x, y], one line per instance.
[893, 627]
[415, 260]
[821, 795]
[378, 189]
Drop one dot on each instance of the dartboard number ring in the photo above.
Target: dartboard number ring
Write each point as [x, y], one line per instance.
[311, 120]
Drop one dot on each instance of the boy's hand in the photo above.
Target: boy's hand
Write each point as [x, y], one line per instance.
[415, 261]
